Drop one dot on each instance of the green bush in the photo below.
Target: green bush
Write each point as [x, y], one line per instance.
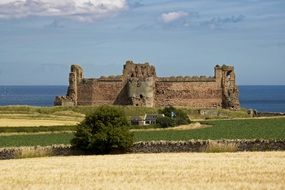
[165, 122]
[104, 131]
[173, 117]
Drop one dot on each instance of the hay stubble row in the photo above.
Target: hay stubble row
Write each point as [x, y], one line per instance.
[253, 170]
[33, 122]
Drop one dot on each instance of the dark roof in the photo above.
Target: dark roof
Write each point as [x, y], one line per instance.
[137, 118]
[153, 116]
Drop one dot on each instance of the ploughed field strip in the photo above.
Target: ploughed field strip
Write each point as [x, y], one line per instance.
[244, 170]
[226, 129]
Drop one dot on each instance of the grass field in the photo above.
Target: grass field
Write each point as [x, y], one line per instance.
[58, 110]
[35, 139]
[223, 129]
[248, 170]
[128, 110]
[55, 128]
[227, 129]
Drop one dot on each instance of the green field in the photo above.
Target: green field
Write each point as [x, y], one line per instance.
[58, 110]
[222, 129]
[54, 112]
[35, 139]
[55, 128]
[37, 129]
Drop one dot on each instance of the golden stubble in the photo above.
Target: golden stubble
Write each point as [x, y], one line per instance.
[37, 119]
[33, 122]
[253, 170]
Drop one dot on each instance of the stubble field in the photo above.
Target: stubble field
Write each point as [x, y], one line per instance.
[34, 122]
[252, 170]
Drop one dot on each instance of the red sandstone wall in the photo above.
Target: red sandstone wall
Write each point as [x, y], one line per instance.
[194, 94]
[84, 94]
[101, 93]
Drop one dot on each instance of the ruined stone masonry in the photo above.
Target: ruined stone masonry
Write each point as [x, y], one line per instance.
[139, 86]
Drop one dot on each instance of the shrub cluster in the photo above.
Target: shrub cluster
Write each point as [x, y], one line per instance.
[173, 117]
[104, 131]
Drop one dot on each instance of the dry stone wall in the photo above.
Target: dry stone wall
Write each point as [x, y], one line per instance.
[202, 145]
[151, 147]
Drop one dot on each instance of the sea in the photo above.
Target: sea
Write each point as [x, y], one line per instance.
[269, 98]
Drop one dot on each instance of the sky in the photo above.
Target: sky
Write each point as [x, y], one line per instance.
[40, 39]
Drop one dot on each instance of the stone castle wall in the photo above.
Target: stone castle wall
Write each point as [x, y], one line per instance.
[194, 94]
[101, 93]
[139, 86]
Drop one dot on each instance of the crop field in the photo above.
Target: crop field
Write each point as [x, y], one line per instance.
[227, 129]
[38, 129]
[35, 139]
[247, 170]
[39, 119]
[255, 122]
[223, 129]
[33, 122]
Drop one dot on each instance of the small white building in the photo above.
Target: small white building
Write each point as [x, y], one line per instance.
[147, 119]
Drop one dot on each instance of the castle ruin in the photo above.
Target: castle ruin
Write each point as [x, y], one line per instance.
[139, 86]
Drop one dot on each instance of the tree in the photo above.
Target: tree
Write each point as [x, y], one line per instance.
[165, 122]
[173, 117]
[105, 130]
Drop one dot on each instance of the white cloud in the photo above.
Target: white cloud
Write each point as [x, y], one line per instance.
[173, 16]
[82, 10]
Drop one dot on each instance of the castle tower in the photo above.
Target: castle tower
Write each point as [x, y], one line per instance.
[140, 83]
[75, 77]
[225, 76]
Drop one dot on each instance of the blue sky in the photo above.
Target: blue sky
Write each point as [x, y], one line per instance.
[40, 39]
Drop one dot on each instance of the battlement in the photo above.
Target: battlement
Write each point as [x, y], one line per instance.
[140, 86]
[118, 78]
[187, 79]
[138, 70]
